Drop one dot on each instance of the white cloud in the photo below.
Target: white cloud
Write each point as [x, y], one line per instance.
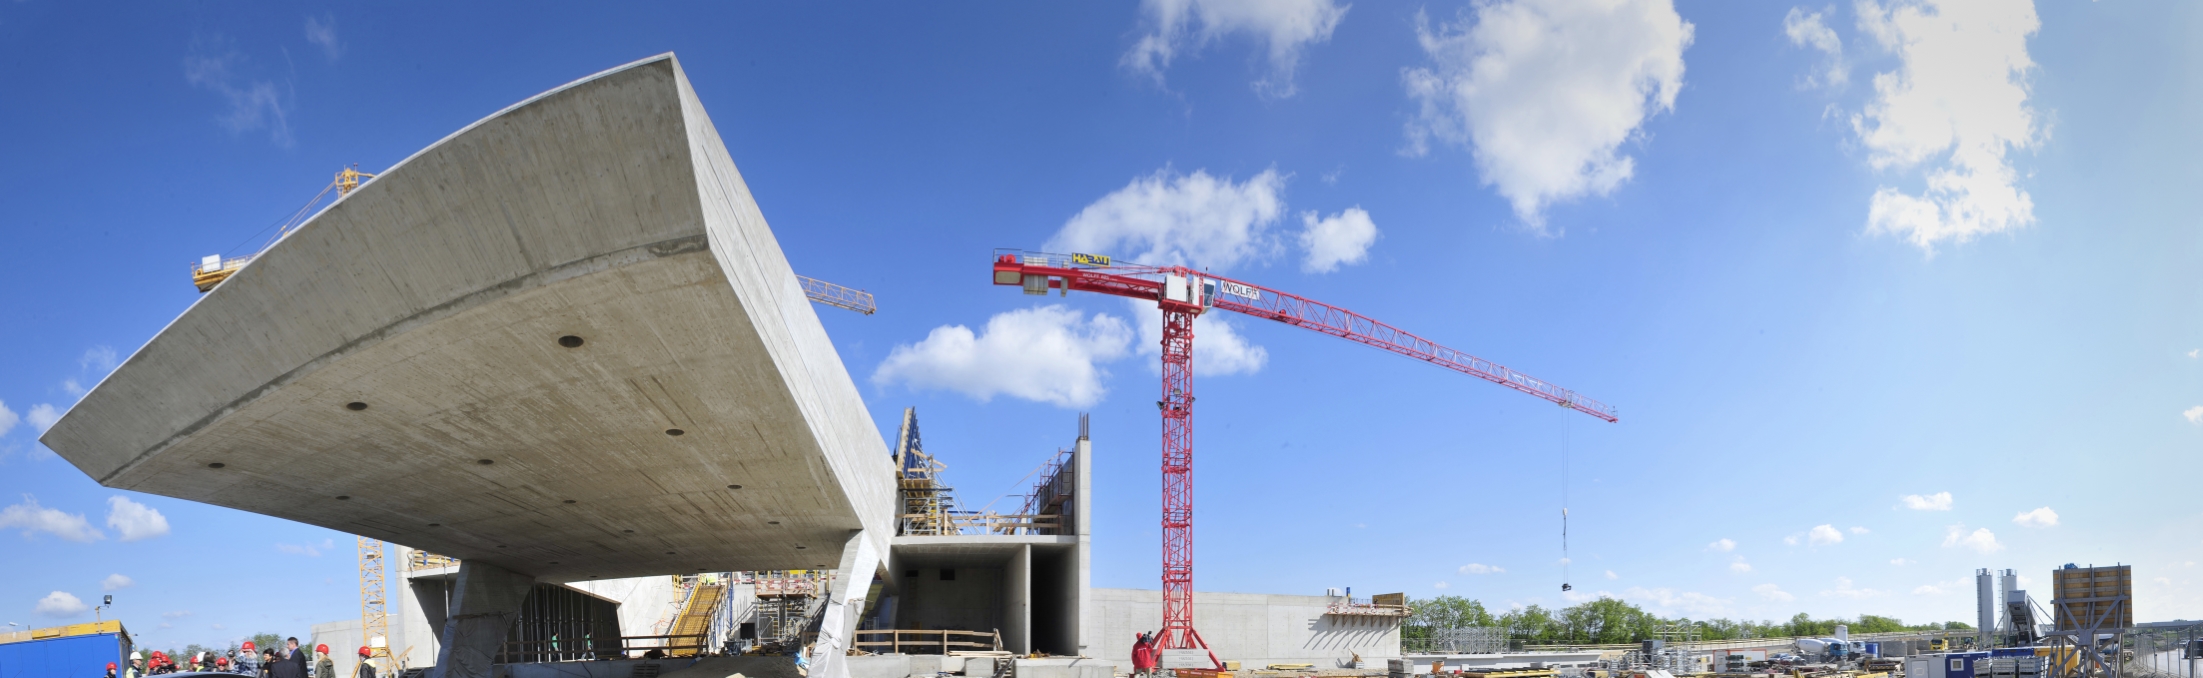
[42, 416]
[8, 418]
[175, 614]
[323, 33]
[1980, 539]
[1900, 562]
[1844, 590]
[97, 360]
[1940, 501]
[2194, 352]
[253, 104]
[1740, 566]
[1806, 29]
[312, 550]
[1723, 544]
[1194, 219]
[133, 521]
[2194, 414]
[30, 517]
[1825, 534]
[1544, 93]
[1441, 586]
[71, 387]
[1047, 354]
[1610, 575]
[1773, 592]
[1342, 238]
[1792, 539]
[1285, 27]
[61, 604]
[1480, 568]
[1858, 530]
[2042, 517]
[1218, 347]
[1956, 104]
[1940, 588]
[1670, 601]
[115, 582]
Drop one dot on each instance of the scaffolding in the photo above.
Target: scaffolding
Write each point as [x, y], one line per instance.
[928, 505]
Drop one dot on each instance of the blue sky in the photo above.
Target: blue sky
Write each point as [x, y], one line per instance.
[1872, 285]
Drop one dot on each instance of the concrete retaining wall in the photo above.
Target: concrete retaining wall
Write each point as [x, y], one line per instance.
[1252, 628]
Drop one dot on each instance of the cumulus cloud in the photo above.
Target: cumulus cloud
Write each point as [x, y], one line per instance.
[42, 416]
[97, 360]
[1900, 562]
[1792, 539]
[1858, 530]
[322, 32]
[1940, 501]
[1981, 539]
[2042, 517]
[133, 521]
[2194, 414]
[1480, 568]
[252, 104]
[1723, 544]
[1218, 347]
[8, 418]
[1193, 219]
[1806, 29]
[1610, 575]
[1543, 94]
[32, 518]
[61, 604]
[1049, 354]
[1940, 588]
[1441, 586]
[1740, 566]
[1336, 240]
[1825, 534]
[1285, 27]
[1844, 590]
[1956, 105]
[1773, 592]
[115, 582]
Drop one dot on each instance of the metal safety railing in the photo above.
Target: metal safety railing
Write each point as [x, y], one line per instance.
[926, 641]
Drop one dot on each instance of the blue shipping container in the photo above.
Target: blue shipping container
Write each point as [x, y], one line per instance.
[66, 657]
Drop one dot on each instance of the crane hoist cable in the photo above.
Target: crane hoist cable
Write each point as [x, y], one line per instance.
[1564, 562]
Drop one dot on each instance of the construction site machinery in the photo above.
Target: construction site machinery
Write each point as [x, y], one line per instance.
[1183, 294]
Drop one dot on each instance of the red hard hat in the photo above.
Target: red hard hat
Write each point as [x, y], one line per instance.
[248, 645]
[364, 651]
[324, 649]
[110, 666]
[221, 661]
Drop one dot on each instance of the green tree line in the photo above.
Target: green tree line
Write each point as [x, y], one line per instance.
[1610, 620]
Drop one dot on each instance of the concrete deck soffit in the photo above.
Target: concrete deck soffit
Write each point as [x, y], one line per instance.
[436, 295]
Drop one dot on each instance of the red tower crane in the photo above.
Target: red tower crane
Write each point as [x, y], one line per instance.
[1183, 294]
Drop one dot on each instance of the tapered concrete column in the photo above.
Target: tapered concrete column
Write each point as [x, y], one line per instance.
[484, 604]
[844, 604]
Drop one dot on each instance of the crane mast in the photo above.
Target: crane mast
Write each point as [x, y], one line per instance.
[1184, 294]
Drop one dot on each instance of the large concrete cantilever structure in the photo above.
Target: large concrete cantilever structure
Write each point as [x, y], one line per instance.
[400, 366]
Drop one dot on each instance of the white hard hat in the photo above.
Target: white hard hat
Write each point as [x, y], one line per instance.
[136, 657]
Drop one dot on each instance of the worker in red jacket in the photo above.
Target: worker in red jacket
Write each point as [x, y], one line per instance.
[1143, 655]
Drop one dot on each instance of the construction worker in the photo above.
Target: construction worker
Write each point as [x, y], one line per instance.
[324, 667]
[110, 670]
[137, 666]
[366, 668]
[1143, 655]
[246, 664]
[221, 665]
